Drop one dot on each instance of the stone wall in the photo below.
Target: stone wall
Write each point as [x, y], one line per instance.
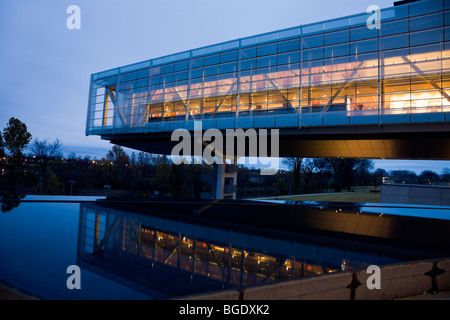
[397, 281]
[415, 194]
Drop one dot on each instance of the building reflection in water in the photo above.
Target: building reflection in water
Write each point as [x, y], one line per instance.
[167, 258]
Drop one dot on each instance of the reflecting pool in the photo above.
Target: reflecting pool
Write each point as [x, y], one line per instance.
[124, 254]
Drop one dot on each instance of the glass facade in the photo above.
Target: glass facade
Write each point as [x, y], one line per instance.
[337, 72]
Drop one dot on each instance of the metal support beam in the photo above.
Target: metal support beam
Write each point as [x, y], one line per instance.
[429, 81]
[336, 94]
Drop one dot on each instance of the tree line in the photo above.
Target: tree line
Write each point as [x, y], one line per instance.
[45, 170]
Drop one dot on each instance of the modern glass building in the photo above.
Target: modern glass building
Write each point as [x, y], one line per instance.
[338, 72]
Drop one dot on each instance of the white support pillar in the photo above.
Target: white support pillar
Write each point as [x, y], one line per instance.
[226, 180]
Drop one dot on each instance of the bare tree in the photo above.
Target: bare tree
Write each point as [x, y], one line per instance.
[295, 165]
[45, 152]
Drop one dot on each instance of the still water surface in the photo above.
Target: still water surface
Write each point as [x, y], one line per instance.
[127, 255]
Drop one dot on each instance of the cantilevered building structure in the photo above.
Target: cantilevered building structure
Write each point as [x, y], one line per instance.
[337, 88]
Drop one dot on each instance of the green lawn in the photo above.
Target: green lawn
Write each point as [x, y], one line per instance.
[338, 197]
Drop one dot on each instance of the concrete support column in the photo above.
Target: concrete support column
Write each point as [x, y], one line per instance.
[226, 179]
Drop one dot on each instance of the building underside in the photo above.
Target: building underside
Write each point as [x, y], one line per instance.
[424, 141]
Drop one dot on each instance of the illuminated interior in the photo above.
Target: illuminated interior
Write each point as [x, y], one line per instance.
[243, 267]
[335, 67]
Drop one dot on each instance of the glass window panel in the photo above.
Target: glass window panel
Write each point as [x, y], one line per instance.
[312, 28]
[282, 68]
[268, 37]
[231, 75]
[447, 34]
[210, 71]
[359, 20]
[267, 49]
[394, 27]
[369, 88]
[394, 56]
[142, 83]
[289, 33]
[131, 76]
[396, 12]
[419, 83]
[447, 18]
[228, 67]
[432, 66]
[312, 54]
[228, 56]
[423, 7]
[154, 71]
[248, 53]
[336, 37]
[213, 48]
[210, 60]
[183, 65]
[156, 81]
[396, 70]
[180, 76]
[394, 42]
[248, 64]
[167, 69]
[267, 62]
[336, 51]
[229, 45]
[142, 74]
[312, 41]
[197, 73]
[426, 22]
[122, 78]
[311, 66]
[288, 58]
[363, 33]
[290, 45]
[429, 52]
[425, 37]
[295, 67]
[167, 78]
[396, 85]
[364, 46]
[249, 41]
[195, 63]
[262, 71]
[336, 24]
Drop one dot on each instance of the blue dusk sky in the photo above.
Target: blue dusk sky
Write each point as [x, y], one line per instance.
[45, 68]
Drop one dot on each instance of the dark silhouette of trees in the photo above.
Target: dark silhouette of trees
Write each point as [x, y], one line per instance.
[344, 171]
[404, 176]
[445, 175]
[295, 166]
[147, 175]
[15, 138]
[428, 177]
[45, 153]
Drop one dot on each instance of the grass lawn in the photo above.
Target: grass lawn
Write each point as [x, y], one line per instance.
[337, 197]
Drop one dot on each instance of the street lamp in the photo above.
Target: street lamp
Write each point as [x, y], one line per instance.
[41, 184]
[107, 187]
[71, 182]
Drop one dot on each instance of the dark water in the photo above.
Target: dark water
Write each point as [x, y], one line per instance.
[127, 255]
